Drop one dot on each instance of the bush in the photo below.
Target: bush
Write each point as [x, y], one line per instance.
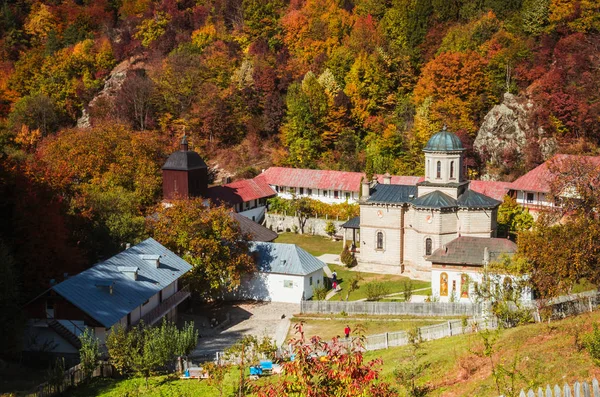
[346, 256]
[341, 211]
[408, 289]
[319, 293]
[330, 228]
[592, 344]
[375, 291]
[354, 262]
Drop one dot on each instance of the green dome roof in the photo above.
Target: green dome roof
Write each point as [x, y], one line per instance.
[444, 141]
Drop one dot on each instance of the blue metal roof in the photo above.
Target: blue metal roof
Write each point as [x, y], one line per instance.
[392, 194]
[436, 200]
[444, 141]
[90, 291]
[473, 199]
[284, 259]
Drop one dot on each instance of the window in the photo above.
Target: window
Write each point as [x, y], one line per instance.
[335, 194]
[301, 190]
[288, 284]
[292, 190]
[347, 196]
[452, 170]
[439, 170]
[277, 188]
[529, 198]
[310, 280]
[464, 286]
[309, 192]
[379, 240]
[324, 193]
[453, 287]
[428, 246]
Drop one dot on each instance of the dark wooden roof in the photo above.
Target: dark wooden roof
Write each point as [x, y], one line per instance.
[471, 250]
[184, 160]
[254, 230]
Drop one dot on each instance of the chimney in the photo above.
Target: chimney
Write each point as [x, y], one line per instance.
[184, 144]
[127, 246]
[387, 179]
[365, 190]
[129, 271]
[151, 259]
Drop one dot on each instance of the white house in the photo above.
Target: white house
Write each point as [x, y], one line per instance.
[286, 273]
[138, 284]
[458, 267]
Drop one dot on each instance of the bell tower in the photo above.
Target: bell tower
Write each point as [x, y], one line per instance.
[185, 174]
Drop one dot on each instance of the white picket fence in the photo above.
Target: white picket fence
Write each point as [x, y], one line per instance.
[436, 309]
[430, 332]
[582, 389]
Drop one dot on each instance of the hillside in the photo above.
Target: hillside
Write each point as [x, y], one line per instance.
[352, 84]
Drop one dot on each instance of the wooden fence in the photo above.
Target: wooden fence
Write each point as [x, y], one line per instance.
[430, 332]
[72, 377]
[579, 390]
[392, 308]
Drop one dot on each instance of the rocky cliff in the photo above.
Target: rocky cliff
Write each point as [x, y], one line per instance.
[506, 131]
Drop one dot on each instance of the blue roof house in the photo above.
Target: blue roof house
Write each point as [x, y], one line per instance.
[285, 273]
[138, 284]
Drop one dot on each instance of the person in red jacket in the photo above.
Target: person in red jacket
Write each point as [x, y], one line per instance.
[347, 331]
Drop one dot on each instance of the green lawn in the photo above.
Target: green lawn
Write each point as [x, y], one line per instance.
[315, 245]
[393, 283]
[329, 328]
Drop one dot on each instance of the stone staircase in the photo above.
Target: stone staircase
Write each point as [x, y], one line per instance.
[64, 333]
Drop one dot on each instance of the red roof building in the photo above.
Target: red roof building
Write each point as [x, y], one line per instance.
[531, 189]
[494, 189]
[244, 190]
[313, 179]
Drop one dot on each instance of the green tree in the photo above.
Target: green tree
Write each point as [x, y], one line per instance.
[409, 371]
[330, 228]
[304, 125]
[153, 28]
[37, 112]
[89, 353]
[592, 344]
[209, 239]
[513, 218]
[376, 290]
[120, 344]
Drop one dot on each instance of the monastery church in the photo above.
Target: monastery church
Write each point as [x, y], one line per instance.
[403, 225]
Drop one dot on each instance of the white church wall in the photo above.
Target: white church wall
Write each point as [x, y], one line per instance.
[384, 219]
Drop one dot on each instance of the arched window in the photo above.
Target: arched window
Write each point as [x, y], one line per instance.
[444, 284]
[428, 245]
[379, 240]
[452, 170]
[438, 174]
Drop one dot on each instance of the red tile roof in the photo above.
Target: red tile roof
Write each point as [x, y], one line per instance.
[403, 180]
[242, 190]
[493, 189]
[314, 179]
[539, 178]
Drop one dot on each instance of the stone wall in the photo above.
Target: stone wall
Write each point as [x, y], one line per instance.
[315, 226]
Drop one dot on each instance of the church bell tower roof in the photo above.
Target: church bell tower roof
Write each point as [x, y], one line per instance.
[184, 159]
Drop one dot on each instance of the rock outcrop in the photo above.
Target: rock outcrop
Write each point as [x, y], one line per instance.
[112, 85]
[507, 129]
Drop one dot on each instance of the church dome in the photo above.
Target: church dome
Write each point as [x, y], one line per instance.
[444, 141]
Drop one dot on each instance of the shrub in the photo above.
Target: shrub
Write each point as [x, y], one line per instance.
[319, 293]
[346, 256]
[592, 344]
[330, 228]
[375, 291]
[408, 289]
[354, 262]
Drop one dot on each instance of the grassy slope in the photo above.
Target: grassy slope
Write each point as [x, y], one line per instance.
[315, 245]
[392, 282]
[545, 354]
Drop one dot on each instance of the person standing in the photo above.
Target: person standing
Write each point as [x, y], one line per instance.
[347, 331]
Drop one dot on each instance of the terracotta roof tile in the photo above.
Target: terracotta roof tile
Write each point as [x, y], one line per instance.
[493, 189]
[539, 178]
[314, 179]
[242, 190]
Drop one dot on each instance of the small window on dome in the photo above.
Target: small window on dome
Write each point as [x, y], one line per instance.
[438, 174]
[452, 170]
